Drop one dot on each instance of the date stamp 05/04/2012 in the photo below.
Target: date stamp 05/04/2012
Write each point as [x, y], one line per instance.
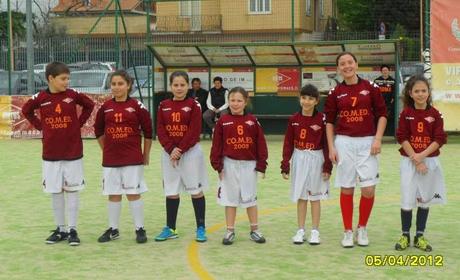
[404, 260]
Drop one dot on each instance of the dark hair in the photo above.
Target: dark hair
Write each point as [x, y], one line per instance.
[125, 76]
[196, 80]
[407, 99]
[176, 74]
[217, 78]
[384, 66]
[56, 68]
[309, 90]
[342, 54]
[241, 90]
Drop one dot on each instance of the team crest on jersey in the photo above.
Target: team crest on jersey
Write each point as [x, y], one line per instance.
[130, 109]
[250, 123]
[429, 119]
[342, 95]
[68, 100]
[364, 92]
[186, 109]
[315, 127]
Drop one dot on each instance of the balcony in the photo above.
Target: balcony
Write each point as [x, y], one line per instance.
[189, 24]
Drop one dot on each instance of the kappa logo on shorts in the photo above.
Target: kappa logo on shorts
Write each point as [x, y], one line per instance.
[219, 191]
[437, 196]
[364, 92]
[68, 100]
[250, 123]
[315, 127]
[186, 109]
[130, 109]
[430, 119]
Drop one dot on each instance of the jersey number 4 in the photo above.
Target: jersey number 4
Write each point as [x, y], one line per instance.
[58, 108]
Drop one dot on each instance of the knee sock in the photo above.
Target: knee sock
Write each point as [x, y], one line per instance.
[422, 217]
[346, 205]
[73, 205]
[137, 211]
[199, 205]
[406, 221]
[365, 209]
[114, 209]
[172, 206]
[58, 203]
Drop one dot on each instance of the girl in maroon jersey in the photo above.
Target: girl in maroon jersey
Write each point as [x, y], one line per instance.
[120, 123]
[421, 134]
[356, 119]
[305, 142]
[184, 170]
[238, 152]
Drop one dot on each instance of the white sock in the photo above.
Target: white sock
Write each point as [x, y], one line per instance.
[137, 211]
[114, 209]
[73, 205]
[58, 203]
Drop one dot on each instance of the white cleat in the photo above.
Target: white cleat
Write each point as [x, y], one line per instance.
[361, 236]
[347, 241]
[299, 237]
[314, 237]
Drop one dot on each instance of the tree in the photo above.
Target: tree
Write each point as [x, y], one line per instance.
[365, 15]
[18, 21]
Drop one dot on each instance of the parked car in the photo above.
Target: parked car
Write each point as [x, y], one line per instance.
[91, 81]
[93, 65]
[142, 76]
[19, 83]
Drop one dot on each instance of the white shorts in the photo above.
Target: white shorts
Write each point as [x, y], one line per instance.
[306, 177]
[190, 175]
[421, 190]
[238, 188]
[62, 175]
[123, 180]
[356, 165]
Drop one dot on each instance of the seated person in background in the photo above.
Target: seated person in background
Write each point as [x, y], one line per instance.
[199, 94]
[217, 102]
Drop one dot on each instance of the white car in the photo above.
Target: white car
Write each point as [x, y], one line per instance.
[91, 81]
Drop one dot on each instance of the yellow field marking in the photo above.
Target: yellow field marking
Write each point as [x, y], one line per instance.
[193, 248]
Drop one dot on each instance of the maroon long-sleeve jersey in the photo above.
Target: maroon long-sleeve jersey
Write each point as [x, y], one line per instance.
[238, 137]
[305, 133]
[179, 124]
[355, 109]
[59, 122]
[420, 128]
[122, 124]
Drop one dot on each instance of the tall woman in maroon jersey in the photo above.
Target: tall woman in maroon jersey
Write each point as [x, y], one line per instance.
[421, 134]
[238, 152]
[356, 119]
[120, 123]
[182, 160]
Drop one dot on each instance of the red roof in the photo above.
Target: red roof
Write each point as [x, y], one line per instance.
[94, 5]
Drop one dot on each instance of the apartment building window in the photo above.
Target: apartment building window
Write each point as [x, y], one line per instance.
[308, 7]
[260, 6]
[321, 8]
[185, 8]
